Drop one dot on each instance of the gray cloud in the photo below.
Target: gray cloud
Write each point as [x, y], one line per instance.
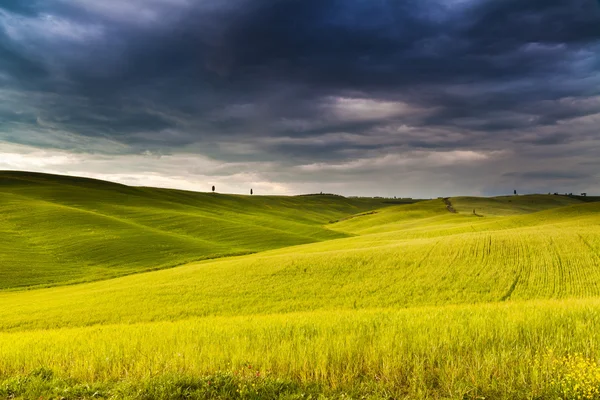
[548, 175]
[293, 83]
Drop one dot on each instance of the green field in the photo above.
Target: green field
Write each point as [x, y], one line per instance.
[58, 229]
[341, 298]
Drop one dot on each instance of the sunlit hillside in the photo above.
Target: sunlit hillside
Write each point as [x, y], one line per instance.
[58, 229]
[352, 299]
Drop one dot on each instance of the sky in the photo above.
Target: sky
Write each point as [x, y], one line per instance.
[406, 98]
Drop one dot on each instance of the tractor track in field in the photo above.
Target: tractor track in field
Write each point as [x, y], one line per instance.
[512, 288]
[449, 205]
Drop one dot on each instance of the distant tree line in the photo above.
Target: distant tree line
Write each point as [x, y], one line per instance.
[557, 194]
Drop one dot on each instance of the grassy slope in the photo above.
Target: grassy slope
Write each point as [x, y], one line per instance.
[500, 351]
[444, 259]
[511, 205]
[328, 313]
[59, 229]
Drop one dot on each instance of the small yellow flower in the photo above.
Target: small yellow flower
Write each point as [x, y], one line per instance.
[578, 377]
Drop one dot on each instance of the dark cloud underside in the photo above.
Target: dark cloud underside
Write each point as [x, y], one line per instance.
[310, 89]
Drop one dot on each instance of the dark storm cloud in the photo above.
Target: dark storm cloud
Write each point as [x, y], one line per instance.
[23, 7]
[541, 21]
[549, 140]
[296, 81]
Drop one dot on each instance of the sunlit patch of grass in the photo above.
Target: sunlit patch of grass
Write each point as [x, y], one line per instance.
[496, 351]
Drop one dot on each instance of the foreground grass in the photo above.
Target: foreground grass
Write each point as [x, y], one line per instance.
[505, 351]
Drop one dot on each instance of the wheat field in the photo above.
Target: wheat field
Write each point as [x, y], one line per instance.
[377, 300]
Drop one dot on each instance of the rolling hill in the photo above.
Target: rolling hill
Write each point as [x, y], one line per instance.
[344, 298]
[400, 256]
[58, 229]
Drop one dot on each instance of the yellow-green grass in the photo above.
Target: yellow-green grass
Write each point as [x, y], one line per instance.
[57, 229]
[551, 254]
[511, 205]
[499, 351]
[407, 301]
